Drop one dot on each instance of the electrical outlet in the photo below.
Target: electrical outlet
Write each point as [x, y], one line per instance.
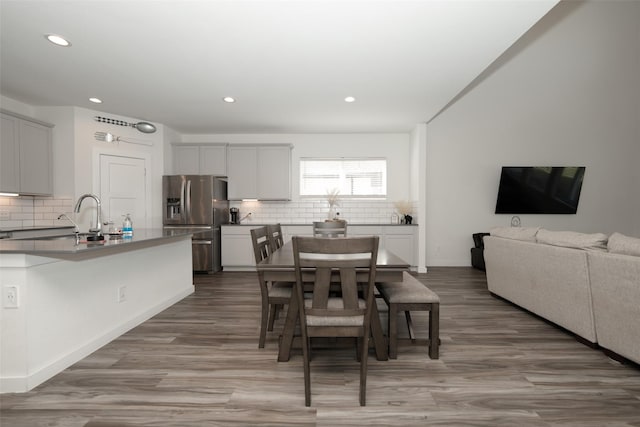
[5, 215]
[122, 293]
[10, 297]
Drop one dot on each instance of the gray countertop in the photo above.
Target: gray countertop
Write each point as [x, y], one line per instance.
[349, 224]
[36, 228]
[65, 248]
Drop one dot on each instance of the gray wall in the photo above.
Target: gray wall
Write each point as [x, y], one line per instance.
[568, 93]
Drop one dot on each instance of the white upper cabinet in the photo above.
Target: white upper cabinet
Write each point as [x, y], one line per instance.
[274, 173]
[25, 156]
[186, 159]
[213, 159]
[260, 172]
[200, 159]
[243, 173]
[9, 155]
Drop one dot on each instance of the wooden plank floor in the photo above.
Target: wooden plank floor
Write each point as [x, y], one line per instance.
[198, 364]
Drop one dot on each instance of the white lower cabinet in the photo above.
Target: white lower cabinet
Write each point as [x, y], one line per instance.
[366, 230]
[403, 242]
[289, 231]
[237, 249]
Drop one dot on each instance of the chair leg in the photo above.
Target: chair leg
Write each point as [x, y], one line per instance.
[263, 325]
[393, 331]
[306, 347]
[434, 331]
[307, 374]
[278, 308]
[363, 368]
[272, 315]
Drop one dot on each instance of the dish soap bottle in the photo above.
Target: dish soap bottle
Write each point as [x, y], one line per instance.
[127, 227]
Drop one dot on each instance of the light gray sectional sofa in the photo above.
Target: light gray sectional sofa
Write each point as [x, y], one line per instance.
[587, 283]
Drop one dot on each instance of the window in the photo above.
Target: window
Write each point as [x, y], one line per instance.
[352, 177]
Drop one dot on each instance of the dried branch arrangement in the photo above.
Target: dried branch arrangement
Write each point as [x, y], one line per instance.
[403, 207]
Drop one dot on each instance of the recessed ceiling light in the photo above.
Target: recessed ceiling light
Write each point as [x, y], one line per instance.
[229, 99]
[58, 40]
[349, 99]
[96, 100]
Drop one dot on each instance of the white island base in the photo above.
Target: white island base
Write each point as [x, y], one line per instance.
[68, 309]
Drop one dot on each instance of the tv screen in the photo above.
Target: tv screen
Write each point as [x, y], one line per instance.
[539, 190]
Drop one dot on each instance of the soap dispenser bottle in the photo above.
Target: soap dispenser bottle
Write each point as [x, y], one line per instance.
[127, 227]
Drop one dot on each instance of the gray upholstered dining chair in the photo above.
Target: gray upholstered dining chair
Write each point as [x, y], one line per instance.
[325, 263]
[330, 228]
[274, 295]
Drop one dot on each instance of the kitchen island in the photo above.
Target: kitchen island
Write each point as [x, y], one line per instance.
[61, 300]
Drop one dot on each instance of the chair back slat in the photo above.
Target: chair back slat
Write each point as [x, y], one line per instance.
[349, 288]
[321, 288]
[260, 241]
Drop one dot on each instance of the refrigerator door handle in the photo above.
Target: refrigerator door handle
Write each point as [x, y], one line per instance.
[188, 197]
[182, 211]
[201, 242]
[188, 227]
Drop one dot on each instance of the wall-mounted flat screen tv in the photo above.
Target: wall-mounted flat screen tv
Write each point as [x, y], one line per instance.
[539, 190]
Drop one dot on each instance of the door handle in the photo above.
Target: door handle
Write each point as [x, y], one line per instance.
[182, 195]
[189, 200]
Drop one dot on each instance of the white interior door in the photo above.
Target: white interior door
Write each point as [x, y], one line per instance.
[123, 187]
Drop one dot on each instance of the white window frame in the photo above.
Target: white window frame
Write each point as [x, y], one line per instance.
[341, 179]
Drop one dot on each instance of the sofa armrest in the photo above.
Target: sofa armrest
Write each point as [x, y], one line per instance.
[615, 284]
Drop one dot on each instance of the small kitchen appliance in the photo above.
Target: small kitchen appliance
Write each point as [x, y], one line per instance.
[235, 215]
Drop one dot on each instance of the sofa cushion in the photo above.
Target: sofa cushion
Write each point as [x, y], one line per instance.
[528, 234]
[572, 239]
[621, 244]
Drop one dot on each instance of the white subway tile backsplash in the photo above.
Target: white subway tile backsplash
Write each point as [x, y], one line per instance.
[306, 211]
[32, 211]
[44, 211]
[23, 216]
[10, 224]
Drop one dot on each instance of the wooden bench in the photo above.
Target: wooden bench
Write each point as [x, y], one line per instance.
[411, 294]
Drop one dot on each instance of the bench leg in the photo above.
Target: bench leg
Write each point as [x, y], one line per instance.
[434, 331]
[393, 331]
[412, 334]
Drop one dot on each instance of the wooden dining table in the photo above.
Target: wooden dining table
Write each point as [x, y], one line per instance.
[279, 267]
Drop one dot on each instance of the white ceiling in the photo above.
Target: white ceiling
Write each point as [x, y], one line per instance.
[289, 64]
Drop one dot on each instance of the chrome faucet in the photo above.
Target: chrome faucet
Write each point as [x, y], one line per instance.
[98, 228]
[77, 230]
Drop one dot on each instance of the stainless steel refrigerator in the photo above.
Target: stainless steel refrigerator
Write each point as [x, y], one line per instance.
[198, 202]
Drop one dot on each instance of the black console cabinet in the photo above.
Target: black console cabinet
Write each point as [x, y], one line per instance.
[477, 252]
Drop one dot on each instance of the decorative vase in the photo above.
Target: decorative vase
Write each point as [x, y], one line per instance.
[332, 212]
